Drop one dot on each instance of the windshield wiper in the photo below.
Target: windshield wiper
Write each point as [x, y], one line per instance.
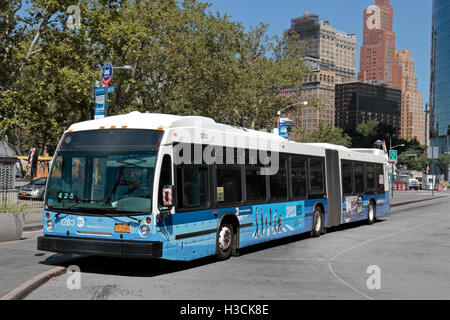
[126, 214]
[102, 212]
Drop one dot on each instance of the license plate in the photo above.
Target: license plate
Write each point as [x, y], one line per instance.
[122, 228]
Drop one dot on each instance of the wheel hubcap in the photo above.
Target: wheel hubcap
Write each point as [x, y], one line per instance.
[318, 222]
[225, 239]
[371, 213]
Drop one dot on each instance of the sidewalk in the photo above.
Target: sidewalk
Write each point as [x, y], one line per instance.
[405, 196]
[33, 220]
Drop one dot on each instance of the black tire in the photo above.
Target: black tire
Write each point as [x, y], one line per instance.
[224, 242]
[371, 213]
[318, 222]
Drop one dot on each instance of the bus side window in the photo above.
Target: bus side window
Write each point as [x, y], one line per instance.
[229, 186]
[165, 179]
[255, 184]
[193, 187]
[380, 178]
[278, 183]
[358, 173]
[370, 177]
[347, 178]
[316, 176]
[298, 177]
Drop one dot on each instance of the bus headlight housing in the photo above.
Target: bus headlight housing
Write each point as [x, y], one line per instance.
[50, 225]
[145, 231]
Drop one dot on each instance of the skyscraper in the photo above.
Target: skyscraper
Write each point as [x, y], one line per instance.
[440, 76]
[412, 118]
[335, 50]
[331, 56]
[320, 86]
[358, 102]
[377, 56]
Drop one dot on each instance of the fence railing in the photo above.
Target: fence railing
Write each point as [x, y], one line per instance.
[12, 197]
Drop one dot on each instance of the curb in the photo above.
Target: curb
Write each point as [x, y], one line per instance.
[416, 201]
[25, 289]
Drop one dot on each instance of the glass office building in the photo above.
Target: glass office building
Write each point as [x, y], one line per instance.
[440, 76]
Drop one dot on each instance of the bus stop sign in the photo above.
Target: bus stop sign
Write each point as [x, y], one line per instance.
[107, 74]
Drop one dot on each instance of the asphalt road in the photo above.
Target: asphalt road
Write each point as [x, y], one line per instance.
[409, 251]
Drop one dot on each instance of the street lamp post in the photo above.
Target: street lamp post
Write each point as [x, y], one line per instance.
[393, 166]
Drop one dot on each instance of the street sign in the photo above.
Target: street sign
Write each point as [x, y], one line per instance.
[101, 90]
[100, 99]
[393, 155]
[285, 125]
[99, 112]
[107, 73]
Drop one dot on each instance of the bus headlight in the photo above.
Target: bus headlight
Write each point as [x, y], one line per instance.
[50, 225]
[145, 231]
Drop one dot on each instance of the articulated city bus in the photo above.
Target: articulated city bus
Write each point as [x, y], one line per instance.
[182, 188]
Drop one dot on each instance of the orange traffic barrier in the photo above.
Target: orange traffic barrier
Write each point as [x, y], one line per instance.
[439, 188]
[395, 187]
[403, 187]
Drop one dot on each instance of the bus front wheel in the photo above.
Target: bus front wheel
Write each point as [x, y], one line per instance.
[225, 241]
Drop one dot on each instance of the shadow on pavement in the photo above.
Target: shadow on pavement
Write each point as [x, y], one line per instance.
[124, 267]
[153, 268]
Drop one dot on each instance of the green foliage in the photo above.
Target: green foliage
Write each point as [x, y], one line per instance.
[324, 133]
[414, 160]
[369, 132]
[443, 162]
[184, 61]
[13, 208]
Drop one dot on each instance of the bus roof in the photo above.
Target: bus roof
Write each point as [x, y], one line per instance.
[180, 127]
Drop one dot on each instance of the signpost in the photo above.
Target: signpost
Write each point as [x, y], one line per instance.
[393, 157]
[107, 75]
[433, 153]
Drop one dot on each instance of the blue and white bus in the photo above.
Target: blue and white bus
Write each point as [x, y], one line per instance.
[182, 188]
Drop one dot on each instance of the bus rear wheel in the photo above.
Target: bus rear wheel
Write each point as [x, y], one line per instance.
[371, 214]
[224, 245]
[317, 223]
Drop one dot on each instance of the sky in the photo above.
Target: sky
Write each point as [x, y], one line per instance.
[412, 23]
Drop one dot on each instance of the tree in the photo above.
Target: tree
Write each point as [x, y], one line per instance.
[443, 163]
[324, 133]
[184, 61]
[367, 133]
[20, 36]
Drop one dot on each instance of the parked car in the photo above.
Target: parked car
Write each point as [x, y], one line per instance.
[34, 190]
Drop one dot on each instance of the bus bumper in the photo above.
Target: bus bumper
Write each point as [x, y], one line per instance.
[97, 247]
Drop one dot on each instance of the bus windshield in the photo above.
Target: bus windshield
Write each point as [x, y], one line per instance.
[113, 182]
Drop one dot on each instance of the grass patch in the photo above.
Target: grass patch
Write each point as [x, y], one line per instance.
[14, 208]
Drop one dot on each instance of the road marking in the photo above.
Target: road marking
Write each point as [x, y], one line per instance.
[333, 259]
